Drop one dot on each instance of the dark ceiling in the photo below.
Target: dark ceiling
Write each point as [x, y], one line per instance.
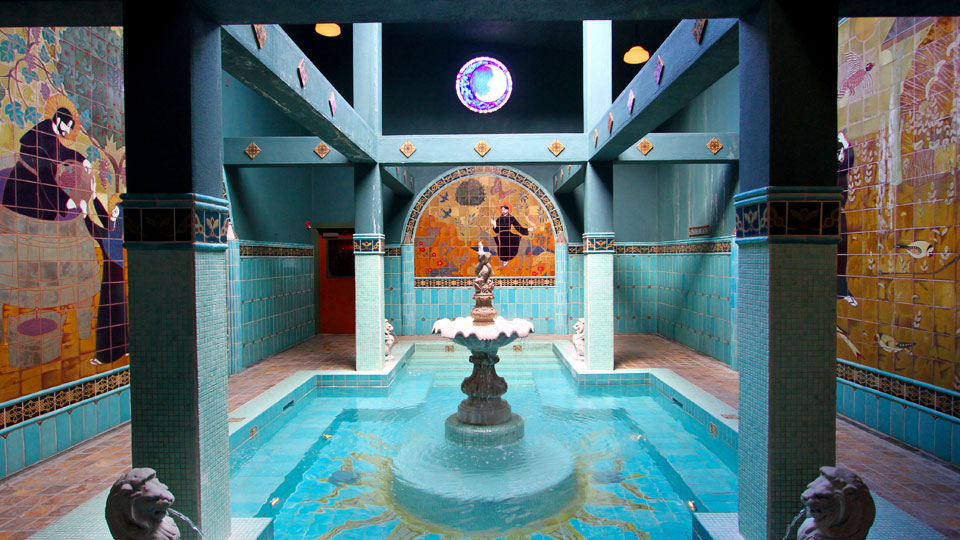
[420, 63]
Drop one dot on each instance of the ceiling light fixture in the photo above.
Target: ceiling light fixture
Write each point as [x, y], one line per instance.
[636, 55]
[327, 29]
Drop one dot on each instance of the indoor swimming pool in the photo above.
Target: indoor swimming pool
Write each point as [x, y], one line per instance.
[326, 468]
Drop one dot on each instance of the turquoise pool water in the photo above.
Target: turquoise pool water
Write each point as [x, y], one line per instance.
[324, 469]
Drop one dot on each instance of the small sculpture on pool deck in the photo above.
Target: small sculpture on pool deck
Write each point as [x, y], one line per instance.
[137, 508]
[388, 339]
[838, 507]
[483, 312]
[578, 328]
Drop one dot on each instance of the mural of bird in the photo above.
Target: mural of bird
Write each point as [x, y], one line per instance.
[842, 334]
[444, 197]
[889, 344]
[853, 76]
[918, 249]
[446, 212]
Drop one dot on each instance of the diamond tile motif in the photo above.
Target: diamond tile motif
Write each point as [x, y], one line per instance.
[630, 101]
[408, 148]
[658, 69]
[556, 147]
[322, 150]
[609, 122]
[332, 100]
[482, 147]
[260, 32]
[644, 146]
[698, 27]
[714, 145]
[252, 150]
[302, 72]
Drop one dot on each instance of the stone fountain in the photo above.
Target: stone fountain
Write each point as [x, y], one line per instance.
[484, 476]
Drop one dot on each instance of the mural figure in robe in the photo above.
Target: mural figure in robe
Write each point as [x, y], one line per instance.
[845, 158]
[508, 242]
[112, 309]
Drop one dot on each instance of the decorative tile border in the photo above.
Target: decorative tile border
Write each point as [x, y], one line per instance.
[546, 281]
[598, 243]
[465, 172]
[575, 249]
[254, 250]
[368, 244]
[788, 212]
[713, 246]
[171, 220]
[29, 407]
[392, 252]
[935, 399]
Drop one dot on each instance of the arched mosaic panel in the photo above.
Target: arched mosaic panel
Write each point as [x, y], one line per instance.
[466, 206]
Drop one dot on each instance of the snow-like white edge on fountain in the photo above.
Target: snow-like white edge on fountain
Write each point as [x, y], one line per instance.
[463, 326]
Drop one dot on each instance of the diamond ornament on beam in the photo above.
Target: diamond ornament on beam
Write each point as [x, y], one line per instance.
[556, 147]
[407, 149]
[322, 150]
[644, 146]
[714, 145]
[252, 150]
[482, 148]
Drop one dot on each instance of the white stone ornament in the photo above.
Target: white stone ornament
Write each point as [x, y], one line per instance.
[389, 339]
[577, 338]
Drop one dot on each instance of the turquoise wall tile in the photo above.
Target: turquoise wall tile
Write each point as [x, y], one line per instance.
[48, 437]
[955, 451]
[63, 431]
[14, 450]
[911, 426]
[124, 405]
[849, 401]
[943, 438]
[89, 412]
[859, 400]
[897, 427]
[32, 451]
[3, 457]
[883, 415]
[926, 433]
[76, 425]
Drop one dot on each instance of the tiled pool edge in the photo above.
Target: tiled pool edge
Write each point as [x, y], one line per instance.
[892, 523]
[703, 407]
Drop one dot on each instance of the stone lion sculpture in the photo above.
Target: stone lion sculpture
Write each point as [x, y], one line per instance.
[388, 338]
[839, 507]
[137, 508]
[578, 328]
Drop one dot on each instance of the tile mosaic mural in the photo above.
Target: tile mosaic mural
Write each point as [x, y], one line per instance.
[62, 151]
[898, 103]
[508, 212]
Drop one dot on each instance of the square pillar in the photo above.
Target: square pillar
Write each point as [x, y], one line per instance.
[407, 294]
[368, 260]
[179, 346]
[563, 324]
[598, 300]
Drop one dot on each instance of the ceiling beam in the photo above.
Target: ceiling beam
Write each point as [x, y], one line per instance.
[503, 149]
[398, 179]
[685, 148]
[279, 152]
[568, 178]
[689, 68]
[272, 72]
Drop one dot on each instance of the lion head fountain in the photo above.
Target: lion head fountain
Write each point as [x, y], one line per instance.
[137, 508]
[838, 507]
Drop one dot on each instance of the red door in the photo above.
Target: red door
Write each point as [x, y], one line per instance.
[334, 283]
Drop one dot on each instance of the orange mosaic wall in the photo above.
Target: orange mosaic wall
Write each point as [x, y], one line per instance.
[898, 104]
[62, 170]
[466, 212]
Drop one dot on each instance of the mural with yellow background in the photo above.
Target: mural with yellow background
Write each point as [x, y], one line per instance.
[506, 217]
[898, 103]
[62, 271]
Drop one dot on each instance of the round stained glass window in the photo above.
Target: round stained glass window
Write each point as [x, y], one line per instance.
[484, 84]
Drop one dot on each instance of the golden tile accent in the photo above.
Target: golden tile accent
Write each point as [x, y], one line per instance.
[556, 147]
[482, 147]
[408, 149]
[714, 145]
[609, 122]
[253, 432]
[698, 28]
[596, 136]
[322, 150]
[644, 146]
[252, 150]
[260, 32]
[302, 72]
[448, 348]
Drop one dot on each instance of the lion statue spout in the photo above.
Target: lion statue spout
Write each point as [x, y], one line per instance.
[137, 508]
[839, 506]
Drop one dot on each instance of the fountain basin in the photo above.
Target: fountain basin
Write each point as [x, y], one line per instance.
[484, 488]
[508, 432]
[486, 338]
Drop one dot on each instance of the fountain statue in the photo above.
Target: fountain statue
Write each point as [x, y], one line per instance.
[484, 476]
[137, 508]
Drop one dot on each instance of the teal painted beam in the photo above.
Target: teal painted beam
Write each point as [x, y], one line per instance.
[392, 11]
[688, 69]
[272, 72]
[504, 149]
[368, 73]
[568, 178]
[398, 179]
[278, 152]
[685, 148]
[597, 69]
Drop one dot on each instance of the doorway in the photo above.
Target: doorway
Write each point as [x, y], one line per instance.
[334, 281]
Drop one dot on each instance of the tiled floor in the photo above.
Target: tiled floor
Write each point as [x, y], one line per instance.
[32, 499]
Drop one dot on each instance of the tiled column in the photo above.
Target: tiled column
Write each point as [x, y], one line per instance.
[407, 295]
[176, 252]
[368, 256]
[598, 252]
[787, 228]
[563, 324]
[177, 264]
